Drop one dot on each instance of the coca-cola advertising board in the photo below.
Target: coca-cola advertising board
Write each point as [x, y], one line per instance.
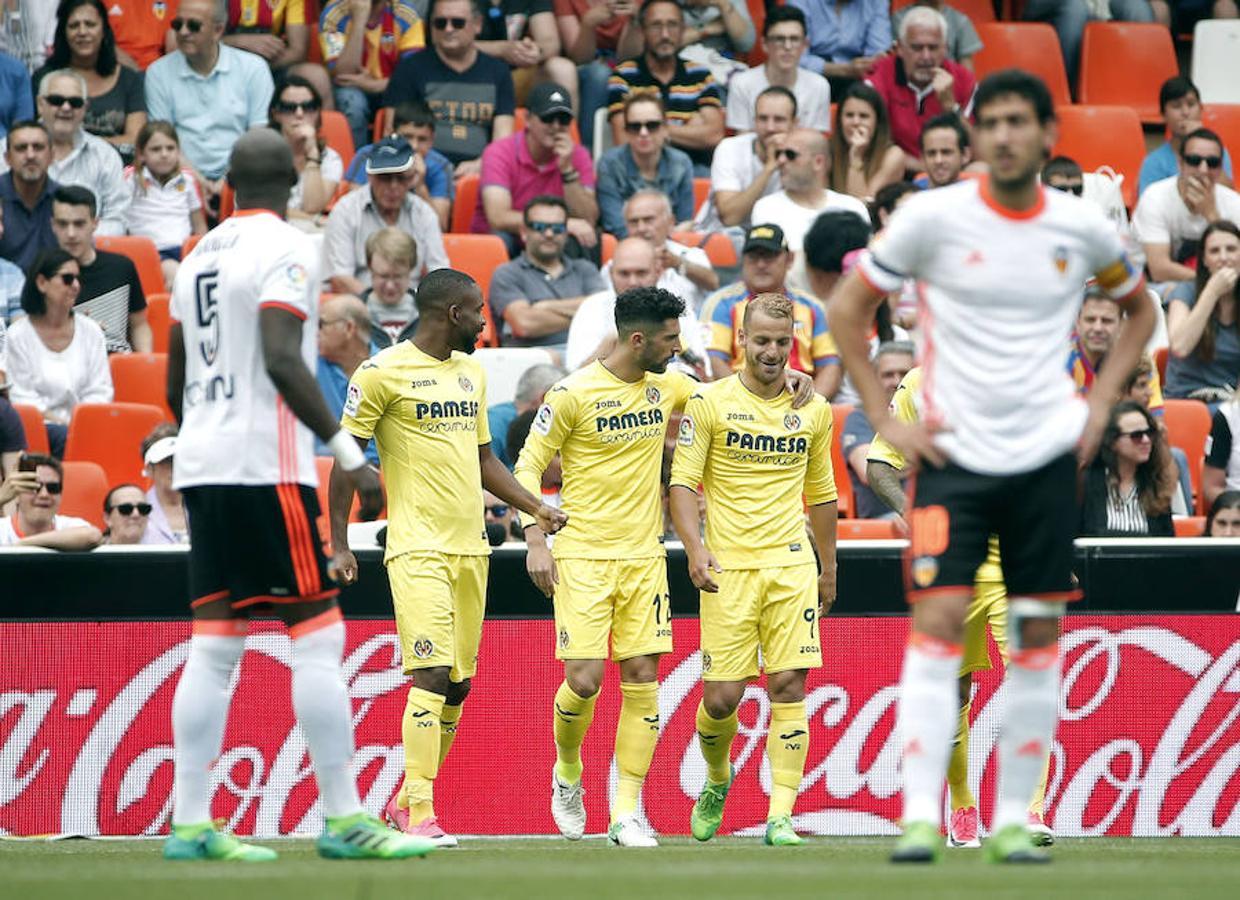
[1148, 741]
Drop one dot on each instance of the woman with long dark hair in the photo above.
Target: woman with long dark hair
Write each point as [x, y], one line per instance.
[84, 42]
[1128, 489]
[1202, 322]
[863, 157]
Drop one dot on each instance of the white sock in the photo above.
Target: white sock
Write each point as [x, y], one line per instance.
[1028, 728]
[929, 707]
[323, 712]
[199, 714]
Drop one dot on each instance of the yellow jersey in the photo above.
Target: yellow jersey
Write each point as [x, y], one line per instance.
[904, 407]
[610, 435]
[756, 458]
[428, 418]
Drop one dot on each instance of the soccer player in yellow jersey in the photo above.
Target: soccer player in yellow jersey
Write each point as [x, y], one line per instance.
[424, 403]
[756, 458]
[607, 573]
[989, 607]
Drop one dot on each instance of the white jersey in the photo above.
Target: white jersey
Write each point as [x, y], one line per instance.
[1002, 291]
[10, 534]
[236, 429]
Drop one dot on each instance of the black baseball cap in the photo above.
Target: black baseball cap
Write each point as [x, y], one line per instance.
[765, 237]
[547, 99]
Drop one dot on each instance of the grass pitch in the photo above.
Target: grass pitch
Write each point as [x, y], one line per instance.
[592, 870]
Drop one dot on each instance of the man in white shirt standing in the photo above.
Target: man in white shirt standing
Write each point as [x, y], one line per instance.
[784, 40]
[1004, 260]
[804, 168]
[1173, 213]
[685, 271]
[37, 485]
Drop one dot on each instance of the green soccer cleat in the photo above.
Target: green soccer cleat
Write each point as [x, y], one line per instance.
[204, 842]
[780, 833]
[707, 813]
[920, 843]
[1013, 844]
[363, 836]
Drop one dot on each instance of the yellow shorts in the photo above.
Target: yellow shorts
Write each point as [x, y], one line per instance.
[989, 607]
[625, 600]
[773, 609]
[439, 599]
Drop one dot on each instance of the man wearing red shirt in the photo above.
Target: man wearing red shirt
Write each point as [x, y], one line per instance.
[919, 82]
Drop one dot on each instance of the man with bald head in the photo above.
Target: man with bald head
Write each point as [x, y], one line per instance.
[635, 263]
[804, 168]
[245, 312]
[685, 271]
[344, 344]
[210, 91]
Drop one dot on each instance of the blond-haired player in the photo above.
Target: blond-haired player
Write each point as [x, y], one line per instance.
[884, 465]
[607, 572]
[761, 591]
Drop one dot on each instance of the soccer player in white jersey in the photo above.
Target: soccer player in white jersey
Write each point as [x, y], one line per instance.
[241, 354]
[1004, 261]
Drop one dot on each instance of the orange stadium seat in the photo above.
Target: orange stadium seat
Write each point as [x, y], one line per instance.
[226, 201]
[324, 466]
[1104, 136]
[158, 318]
[1104, 82]
[464, 203]
[1188, 426]
[980, 12]
[190, 243]
[32, 424]
[1224, 120]
[1189, 526]
[867, 529]
[111, 434]
[1160, 363]
[1032, 46]
[144, 255]
[608, 247]
[379, 130]
[85, 488]
[701, 191]
[843, 485]
[718, 246]
[141, 378]
[337, 134]
[478, 255]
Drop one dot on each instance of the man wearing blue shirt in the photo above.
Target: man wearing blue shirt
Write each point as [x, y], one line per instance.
[845, 38]
[16, 98]
[344, 344]
[1180, 103]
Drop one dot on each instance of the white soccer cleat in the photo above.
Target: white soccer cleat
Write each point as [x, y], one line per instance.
[568, 807]
[627, 832]
[1039, 830]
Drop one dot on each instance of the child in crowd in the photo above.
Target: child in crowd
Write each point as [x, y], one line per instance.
[167, 205]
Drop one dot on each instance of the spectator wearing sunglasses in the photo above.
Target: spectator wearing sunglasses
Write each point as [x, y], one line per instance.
[126, 515]
[538, 293]
[1179, 101]
[211, 92]
[54, 358]
[1128, 488]
[499, 519]
[1172, 214]
[645, 162]
[1064, 174]
[37, 486]
[296, 113]
[168, 523]
[77, 157]
[540, 160]
[471, 92]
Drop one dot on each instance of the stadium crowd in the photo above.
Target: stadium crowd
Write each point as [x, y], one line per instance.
[562, 152]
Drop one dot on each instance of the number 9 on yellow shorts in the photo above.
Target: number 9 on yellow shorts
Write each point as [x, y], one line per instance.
[625, 600]
[775, 609]
[439, 600]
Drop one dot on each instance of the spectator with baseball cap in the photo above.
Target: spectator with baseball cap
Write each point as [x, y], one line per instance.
[540, 160]
[167, 523]
[393, 173]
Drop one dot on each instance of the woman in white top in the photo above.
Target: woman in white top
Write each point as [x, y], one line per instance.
[294, 113]
[54, 358]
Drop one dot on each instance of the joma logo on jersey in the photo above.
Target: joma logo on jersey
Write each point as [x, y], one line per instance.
[739, 417]
[448, 409]
[607, 404]
[765, 443]
[629, 420]
[423, 382]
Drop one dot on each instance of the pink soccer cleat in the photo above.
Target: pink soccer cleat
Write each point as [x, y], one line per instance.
[963, 828]
[1040, 831]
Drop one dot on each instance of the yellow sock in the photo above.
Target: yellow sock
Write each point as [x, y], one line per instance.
[1039, 795]
[420, 733]
[636, 735]
[448, 720]
[715, 738]
[573, 715]
[787, 745]
[958, 765]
